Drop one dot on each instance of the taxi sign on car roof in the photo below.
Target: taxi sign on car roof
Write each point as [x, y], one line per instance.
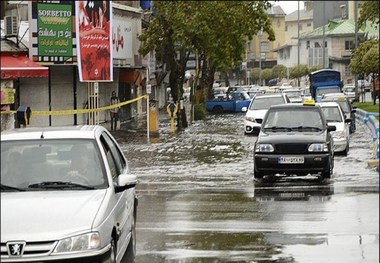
[341, 98]
[309, 102]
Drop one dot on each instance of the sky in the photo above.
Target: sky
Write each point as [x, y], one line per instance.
[288, 6]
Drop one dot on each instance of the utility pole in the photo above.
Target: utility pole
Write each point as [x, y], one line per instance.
[356, 45]
[298, 42]
[323, 38]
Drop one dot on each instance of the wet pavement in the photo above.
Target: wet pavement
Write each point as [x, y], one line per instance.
[198, 201]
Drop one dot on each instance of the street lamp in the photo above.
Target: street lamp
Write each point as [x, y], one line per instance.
[260, 34]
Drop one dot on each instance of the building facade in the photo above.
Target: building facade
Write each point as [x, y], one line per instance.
[62, 89]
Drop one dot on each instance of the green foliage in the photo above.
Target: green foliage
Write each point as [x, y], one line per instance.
[255, 73]
[267, 74]
[365, 59]
[217, 30]
[199, 112]
[299, 71]
[314, 68]
[279, 71]
[367, 106]
[369, 11]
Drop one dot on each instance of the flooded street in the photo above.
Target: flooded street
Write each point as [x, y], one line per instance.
[198, 201]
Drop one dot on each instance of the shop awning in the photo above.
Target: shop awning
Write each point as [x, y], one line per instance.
[13, 67]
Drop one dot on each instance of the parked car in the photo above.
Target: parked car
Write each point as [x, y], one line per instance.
[349, 91]
[220, 92]
[294, 95]
[294, 140]
[284, 86]
[334, 116]
[347, 107]
[256, 110]
[67, 195]
[233, 103]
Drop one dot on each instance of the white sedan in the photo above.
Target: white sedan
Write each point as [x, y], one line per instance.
[334, 116]
[258, 108]
[66, 196]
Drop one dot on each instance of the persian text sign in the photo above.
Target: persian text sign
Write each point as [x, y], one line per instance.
[54, 26]
[94, 43]
[122, 38]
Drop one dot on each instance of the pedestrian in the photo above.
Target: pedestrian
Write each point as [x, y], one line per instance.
[114, 112]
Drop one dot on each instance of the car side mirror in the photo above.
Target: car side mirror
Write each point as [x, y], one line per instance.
[353, 111]
[244, 109]
[331, 128]
[348, 120]
[125, 181]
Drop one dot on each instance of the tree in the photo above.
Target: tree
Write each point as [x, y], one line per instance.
[279, 71]
[299, 71]
[369, 12]
[365, 59]
[267, 74]
[216, 30]
[314, 68]
[255, 73]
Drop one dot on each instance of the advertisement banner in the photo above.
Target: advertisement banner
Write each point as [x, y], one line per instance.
[54, 25]
[94, 42]
[122, 38]
[52, 32]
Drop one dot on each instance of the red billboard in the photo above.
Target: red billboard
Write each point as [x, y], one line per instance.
[94, 42]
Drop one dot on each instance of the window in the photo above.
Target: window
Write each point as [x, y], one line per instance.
[308, 44]
[300, 28]
[115, 161]
[264, 46]
[349, 44]
[308, 24]
[316, 44]
[286, 28]
[325, 43]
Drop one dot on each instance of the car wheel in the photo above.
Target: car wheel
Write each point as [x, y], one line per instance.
[217, 109]
[346, 150]
[327, 174]
[111, 256]
[257, 174]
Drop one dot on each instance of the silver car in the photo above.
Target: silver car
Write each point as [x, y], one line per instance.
[66, 195]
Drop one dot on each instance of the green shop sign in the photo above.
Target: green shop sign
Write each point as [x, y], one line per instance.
[54, 26]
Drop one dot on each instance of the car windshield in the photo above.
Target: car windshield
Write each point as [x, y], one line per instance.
[344, 105]
[298, 119]
[263, 103]
[332, 114]
[320, 92]
[51, 164]
[293, 94]
[349, 89]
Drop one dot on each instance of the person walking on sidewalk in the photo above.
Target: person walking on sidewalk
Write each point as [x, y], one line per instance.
[114, 112]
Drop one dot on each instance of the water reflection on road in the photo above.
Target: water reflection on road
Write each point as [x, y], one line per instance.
[198, 201]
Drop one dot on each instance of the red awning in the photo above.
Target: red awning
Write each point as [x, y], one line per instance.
[21, 67]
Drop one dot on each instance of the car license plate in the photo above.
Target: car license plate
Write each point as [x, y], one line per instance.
[293, 159]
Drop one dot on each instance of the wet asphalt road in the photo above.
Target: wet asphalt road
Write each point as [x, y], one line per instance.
[198, 201]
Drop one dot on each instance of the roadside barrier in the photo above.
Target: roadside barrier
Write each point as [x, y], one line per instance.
[78, 111]
[368, 118]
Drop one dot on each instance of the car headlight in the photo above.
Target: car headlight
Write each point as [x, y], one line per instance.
[79, 243]
[250, 119]
[338, 134]
[265, 147]
[318, 147]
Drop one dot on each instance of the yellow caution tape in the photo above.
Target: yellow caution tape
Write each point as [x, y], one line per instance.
[79, 111]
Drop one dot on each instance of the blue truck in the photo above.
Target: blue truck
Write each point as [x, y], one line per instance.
[324, 81]
[234, 102]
